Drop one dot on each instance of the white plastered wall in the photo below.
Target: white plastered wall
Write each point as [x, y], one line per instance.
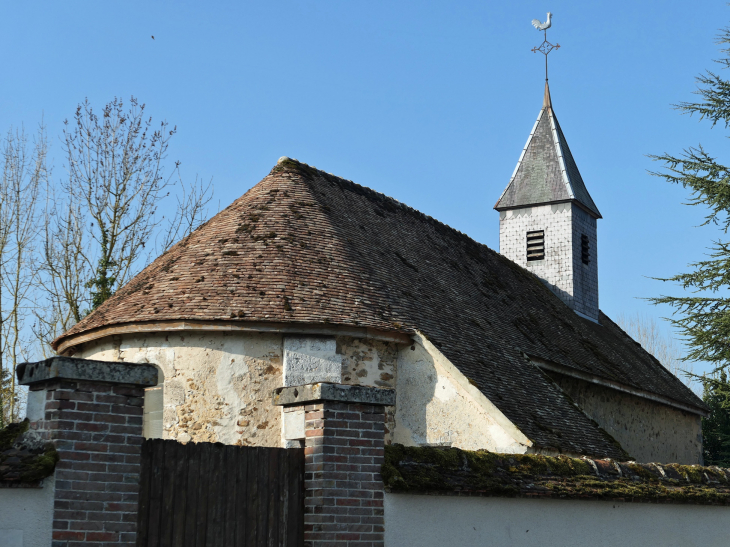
[26, 515]
[436, 404]
[218, 386]
[435, 521]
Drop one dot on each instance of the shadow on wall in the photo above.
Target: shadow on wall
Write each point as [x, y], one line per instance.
[417, 381]
[565, 296]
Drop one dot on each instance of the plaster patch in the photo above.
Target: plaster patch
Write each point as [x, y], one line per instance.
[226, 374]
[293, 426]
[444, 390]
[311, 359]
[437, 405]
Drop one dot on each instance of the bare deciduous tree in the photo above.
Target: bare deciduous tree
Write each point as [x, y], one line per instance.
[24, 178]
[645, 330]
[107, 222]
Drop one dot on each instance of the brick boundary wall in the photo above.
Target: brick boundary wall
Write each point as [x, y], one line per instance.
[92, 412]
[344, 451]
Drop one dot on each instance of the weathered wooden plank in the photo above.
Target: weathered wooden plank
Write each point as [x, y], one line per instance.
[182, 457]
[284, 499]
[201, 517]
[156, 492]
[240, 500]
[193, 452]
[295, 482]
[282, 513]
[262, 477]
[168, 493]
[274, 480]
[144, 496]
[216, 492]
[232, 457]
[252, 497]
[219, 512]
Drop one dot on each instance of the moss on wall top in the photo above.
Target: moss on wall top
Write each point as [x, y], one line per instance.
[454, 471]
[23, 459]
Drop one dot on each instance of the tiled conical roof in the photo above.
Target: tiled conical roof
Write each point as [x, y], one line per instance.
[546, 171]
[304, 247]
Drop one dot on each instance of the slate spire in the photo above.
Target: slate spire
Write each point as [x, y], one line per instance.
[546, 171]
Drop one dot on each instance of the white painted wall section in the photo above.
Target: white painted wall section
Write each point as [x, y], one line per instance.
[435, 521]
[26, 515]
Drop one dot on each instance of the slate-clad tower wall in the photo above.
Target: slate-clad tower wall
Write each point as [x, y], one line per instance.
[547, 218]
[562, 269]
[585, 275]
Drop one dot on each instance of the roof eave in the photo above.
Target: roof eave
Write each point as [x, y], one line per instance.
[594, 214]
[618, 386]
[66, 343]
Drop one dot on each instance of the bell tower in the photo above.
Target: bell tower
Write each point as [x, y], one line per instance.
[547, 218]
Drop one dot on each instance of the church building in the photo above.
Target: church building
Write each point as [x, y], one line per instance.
[311, 278]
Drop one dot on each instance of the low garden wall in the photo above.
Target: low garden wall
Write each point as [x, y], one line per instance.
[437, 497]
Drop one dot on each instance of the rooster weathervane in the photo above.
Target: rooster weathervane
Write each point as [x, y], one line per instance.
[546, 47]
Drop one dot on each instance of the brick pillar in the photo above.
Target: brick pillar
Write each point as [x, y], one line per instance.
[344, 447]
[92, 412]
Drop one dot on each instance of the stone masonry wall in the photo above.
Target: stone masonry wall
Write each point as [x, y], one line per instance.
[97, 430]
[344, 453]
[217, 386]
[648, 431]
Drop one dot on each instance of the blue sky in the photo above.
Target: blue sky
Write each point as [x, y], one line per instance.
[428, 102]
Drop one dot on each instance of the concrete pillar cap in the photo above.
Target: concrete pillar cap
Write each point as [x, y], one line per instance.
[69, 368]
[310, 393]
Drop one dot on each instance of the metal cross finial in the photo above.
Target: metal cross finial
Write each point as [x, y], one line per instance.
[546, 47]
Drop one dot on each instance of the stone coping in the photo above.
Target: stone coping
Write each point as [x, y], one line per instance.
[69, 368]
[451, 471]
[299, 395]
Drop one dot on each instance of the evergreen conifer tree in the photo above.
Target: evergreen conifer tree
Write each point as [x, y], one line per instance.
[704, 316]
[716, 427]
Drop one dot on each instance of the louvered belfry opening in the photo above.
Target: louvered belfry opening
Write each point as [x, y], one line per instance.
[535, 245]
[585, 249]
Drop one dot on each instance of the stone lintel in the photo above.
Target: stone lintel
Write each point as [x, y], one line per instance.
[310, 393]
[69, 368]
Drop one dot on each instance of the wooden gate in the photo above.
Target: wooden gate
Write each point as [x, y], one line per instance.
[215, 495]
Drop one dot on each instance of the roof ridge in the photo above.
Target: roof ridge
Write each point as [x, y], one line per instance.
[586, 199]
[367, 191]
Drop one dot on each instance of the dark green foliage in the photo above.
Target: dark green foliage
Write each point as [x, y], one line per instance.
[10, 434]
[704, 317]
[716, 427]
[103, 282]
